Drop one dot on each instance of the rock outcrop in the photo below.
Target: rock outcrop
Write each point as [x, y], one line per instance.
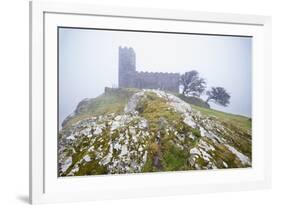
[156, 131]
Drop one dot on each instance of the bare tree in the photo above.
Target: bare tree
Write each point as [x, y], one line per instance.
[218, 95]
[193, 85]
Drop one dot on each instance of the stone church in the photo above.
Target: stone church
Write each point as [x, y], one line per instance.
[129, 77]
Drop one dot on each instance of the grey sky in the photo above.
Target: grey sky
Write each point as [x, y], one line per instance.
[88, 61]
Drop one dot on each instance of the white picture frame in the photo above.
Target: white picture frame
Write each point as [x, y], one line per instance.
[46, 187]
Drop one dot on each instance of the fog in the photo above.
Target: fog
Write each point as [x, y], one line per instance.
[88, 62]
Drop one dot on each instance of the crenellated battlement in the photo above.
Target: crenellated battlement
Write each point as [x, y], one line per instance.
[129, 77]
[157, 73]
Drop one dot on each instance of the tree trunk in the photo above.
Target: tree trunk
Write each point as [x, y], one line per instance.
[183, 91]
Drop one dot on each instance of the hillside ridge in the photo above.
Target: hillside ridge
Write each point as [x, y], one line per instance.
[133, 131]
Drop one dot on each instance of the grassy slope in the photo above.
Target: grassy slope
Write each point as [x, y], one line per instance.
[106, 103]
[158, 114]
[174, 159]
[238, 124]
[238, 121]
[115, 101]
[193, 100]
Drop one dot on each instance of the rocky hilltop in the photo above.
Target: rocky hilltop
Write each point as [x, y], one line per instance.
[132, 131]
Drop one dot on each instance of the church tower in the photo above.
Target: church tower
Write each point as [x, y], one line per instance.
[126, 67]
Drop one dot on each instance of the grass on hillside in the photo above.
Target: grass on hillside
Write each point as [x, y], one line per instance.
[158, 114]
[238, 121]
[112, 102]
